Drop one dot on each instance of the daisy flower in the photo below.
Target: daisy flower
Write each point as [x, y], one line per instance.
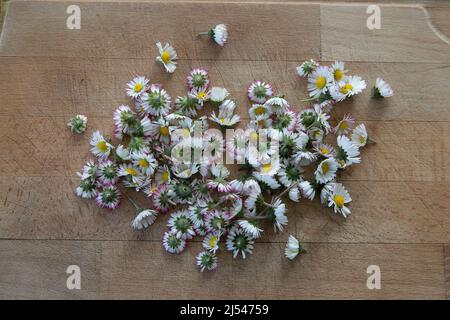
[86, 189]
[186, 105]
[167, 56]
[286, 120]
[279, 105]
[226, 117]
[124, 121]
[324, 150]
[108, 197]
[326, 170]
[200, 96]
[218, 180]
[181, 225]
[259, 111]
[349, 86]
[239, 242]
[100, 147]
[172, 244]
[78, 123]
[267, 180]
[219, 34]
[218, 94]
[307, 189]
[129, 171]
[344, 126]
[162, 175]
[182, 192]
[201, 191]
[89, 171]
[306, 68]
[270, 167]
[250, 227]
[338, 198]
[347, 152]
[144, 219]
[289, 173]
[107, 172]
[162, 199]
[206, 260]
[293, 248]
[325, 193]
[318, 81]
[360, 136]
[137, 86]
[156, 102]
[259, 91]
[198, 78]
[278, 215]
[196, 213]
[338, 70]
[145, 161]
[294, 194]
[161, 130]
[292, 142]
[253, 200]
[122, 153]
[184, 170]
[211, 242]
[245, 185]
[216, 222]
[382, 89]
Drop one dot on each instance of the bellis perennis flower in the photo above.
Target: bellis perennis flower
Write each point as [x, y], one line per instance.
[285, 153]
[219, 34]
[78, 123]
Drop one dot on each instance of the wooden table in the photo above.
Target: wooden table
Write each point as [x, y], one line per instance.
[401, 191]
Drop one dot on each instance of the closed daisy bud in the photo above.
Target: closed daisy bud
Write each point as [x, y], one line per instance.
[382, 89]
[293, 248]
[219, 34]
[78, 123]
[144, 219]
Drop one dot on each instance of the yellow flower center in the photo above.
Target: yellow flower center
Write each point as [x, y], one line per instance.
[165, 56]
[362, 139]
[201, 95]
[222, 120]
[262, 123]
[254, 136]
[325, 168]
[213, 241]
[339, 200]
[186, 133]
[260, 110]
[164, 131]
[338, 74]
[346, 88]
[102, 146]
[343, 125]
[143, 163]
[165, 176]
[324, 150]
[131, 171]
[321, 82]
[138, 87]
[265, 168]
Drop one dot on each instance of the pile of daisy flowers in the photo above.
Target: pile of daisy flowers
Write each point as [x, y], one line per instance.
[282, 155]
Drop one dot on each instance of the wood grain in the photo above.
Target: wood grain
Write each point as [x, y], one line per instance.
[44, 146]
[404, 36]
[400, 192]
[96, 87]
[383, 212]
[129, 269]
[107, 32]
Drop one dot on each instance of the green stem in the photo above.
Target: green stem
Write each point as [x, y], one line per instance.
[133, 202]
[307, 100]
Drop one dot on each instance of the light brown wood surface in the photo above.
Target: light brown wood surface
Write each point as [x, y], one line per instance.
[400, 211]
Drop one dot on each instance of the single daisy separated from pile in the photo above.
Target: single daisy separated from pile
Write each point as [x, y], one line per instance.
[299, 156]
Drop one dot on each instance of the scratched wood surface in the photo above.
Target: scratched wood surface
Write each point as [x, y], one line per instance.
[401, 191]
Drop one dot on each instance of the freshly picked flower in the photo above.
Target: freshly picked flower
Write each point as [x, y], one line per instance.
[78, 123]
[172, 152]
[167, 56]
[382, 89]
[219, 34]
